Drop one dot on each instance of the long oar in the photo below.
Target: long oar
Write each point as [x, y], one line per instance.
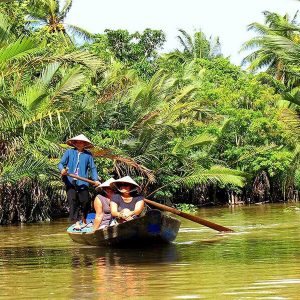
[189, 217]
[81, 178]
[172, 210]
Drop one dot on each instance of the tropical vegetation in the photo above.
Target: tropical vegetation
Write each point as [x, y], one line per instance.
[189, 126]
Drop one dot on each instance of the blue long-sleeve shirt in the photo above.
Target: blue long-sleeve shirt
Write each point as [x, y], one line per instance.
[86, 162]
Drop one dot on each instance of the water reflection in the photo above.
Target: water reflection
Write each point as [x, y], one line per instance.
[86, 256]
[260, 261]
[122, 271]
[138, 256]
[88, 270]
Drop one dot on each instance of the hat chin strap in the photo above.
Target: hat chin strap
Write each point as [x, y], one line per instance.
[135, 189]
[105, 192]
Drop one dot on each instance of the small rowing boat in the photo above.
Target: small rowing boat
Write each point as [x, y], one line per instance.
[154, 227]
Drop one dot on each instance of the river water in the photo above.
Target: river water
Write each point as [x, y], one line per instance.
[261, 260]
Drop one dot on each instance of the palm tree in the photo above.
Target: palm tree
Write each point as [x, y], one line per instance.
[158, 110]
[267, 54]
[36, 89]
[198, 46]
[49, 16]
[148, 118]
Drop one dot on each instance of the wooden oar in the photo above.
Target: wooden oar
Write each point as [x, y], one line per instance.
[189, 217]
[81, 178]
[172, 210]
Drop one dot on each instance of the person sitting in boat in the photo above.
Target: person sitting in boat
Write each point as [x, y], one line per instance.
[102, 205]
[128, 204]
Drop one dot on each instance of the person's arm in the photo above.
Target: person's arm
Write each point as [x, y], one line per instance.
[139, 206]
[63, 163]
[99, 213]
[94, 172]
[114, 209]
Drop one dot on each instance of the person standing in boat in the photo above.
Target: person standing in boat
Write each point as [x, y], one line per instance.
[78, 161]
[102, 205]
[128, 204]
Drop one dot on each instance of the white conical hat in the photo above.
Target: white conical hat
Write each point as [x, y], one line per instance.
[80, 137]
[127, 179]
[107, 183]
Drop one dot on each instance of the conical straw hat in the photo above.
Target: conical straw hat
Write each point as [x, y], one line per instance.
[126, 179]
[107, 183]
[80, 137]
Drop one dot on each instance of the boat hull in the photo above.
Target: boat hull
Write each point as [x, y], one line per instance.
[155, 227]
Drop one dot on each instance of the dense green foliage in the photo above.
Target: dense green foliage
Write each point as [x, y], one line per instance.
[188, 125]
[137, 50]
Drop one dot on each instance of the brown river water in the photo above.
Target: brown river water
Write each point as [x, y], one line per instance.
[261, 260]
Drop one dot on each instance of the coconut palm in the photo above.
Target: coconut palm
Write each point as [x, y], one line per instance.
[49, 16]
[266, 53]
[198, 46]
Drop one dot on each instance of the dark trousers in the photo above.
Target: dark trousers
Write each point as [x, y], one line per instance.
[77, 198]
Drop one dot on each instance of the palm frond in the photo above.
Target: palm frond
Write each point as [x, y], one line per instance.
[18, 49]
[32, 96]
[259, 60]
[199, 140]
[186, 41]
[144, 119]
[174, 114]
[43, 9]
[80, 32]
[253, 43]
[10, 120]
[128, 162]
[66, 8]
[254, 151]
[185, 93]
[259, 28]
[24, 166]
[41, 147]
[79, 57]
[4, 29]
[217, 175]
[215, 47]
[293, 98]
[291, 120]
[183, 44]
[71, 81]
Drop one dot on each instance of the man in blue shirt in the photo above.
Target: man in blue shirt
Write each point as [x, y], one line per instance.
[78, 161]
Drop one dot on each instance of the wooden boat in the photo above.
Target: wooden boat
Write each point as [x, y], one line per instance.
[154, 227]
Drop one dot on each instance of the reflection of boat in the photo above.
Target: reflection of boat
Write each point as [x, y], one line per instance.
[123, 256]
[154, 227]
